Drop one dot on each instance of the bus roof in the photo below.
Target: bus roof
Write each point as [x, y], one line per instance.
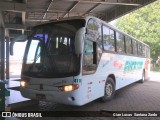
[89, 17]
[114, 28]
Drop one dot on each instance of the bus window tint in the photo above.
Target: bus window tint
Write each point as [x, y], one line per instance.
[147, 52]
[33, 52]
[92, 46]
[128, 45]
[108, 39]
[143, 51]
[88, 53]
[94, 31]
[89, 65]
[120, 43]
[139, 49]
[134, 47]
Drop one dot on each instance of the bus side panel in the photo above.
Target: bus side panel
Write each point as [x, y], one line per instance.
[131, 71]
[126, 69]
[93, 86]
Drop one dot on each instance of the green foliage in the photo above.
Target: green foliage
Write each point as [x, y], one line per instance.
[144, 24]
[156, 68]
[93, 26]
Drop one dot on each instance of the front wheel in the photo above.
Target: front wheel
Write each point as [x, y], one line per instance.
[109, 90]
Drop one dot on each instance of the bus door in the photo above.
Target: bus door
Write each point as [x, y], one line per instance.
[91, 57]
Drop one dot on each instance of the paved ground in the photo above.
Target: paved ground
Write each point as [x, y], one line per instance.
[135, 97]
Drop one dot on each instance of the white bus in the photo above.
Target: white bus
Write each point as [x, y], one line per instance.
[75, 61]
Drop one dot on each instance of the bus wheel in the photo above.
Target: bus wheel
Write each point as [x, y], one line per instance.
[109, 90]
[143, 77]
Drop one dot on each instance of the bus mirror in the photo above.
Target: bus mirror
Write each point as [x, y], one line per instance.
[79, 40]
[18, 38]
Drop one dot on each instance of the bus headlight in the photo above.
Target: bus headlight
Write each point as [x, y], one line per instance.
[23, 84]
[24, 81]
[68, 88]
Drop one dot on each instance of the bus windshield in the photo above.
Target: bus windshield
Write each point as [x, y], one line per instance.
[50, 51]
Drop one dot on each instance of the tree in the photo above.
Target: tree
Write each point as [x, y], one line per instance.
[144, 24]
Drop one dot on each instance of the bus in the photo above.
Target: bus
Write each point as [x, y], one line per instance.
[77, 60]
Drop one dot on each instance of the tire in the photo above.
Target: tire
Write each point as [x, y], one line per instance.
[109, 90]
[143, 77]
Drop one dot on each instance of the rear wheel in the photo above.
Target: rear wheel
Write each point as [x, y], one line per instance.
[143, 77]
[109, 90]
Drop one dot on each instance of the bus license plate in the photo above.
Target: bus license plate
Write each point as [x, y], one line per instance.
[40, 96]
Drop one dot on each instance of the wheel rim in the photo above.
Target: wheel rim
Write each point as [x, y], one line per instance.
[109, 90]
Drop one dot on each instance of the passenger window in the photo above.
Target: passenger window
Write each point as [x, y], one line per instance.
[147, 52]
[143, 51]
[134, 47]
[94, 32]
[92, 46]
[120, 43]
[139, 49]
[128, 45]
[108, 39]
[90, 59]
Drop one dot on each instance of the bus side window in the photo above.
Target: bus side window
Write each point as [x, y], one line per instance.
[143, 50]
[134, 42]
[139, 49]
[108, 39]
[120, 43]
[128, 45]
[147, 52]
[92, 46]
[90, 61]
[94, 33]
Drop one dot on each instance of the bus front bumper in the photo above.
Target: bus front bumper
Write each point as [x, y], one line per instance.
[69, 98]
